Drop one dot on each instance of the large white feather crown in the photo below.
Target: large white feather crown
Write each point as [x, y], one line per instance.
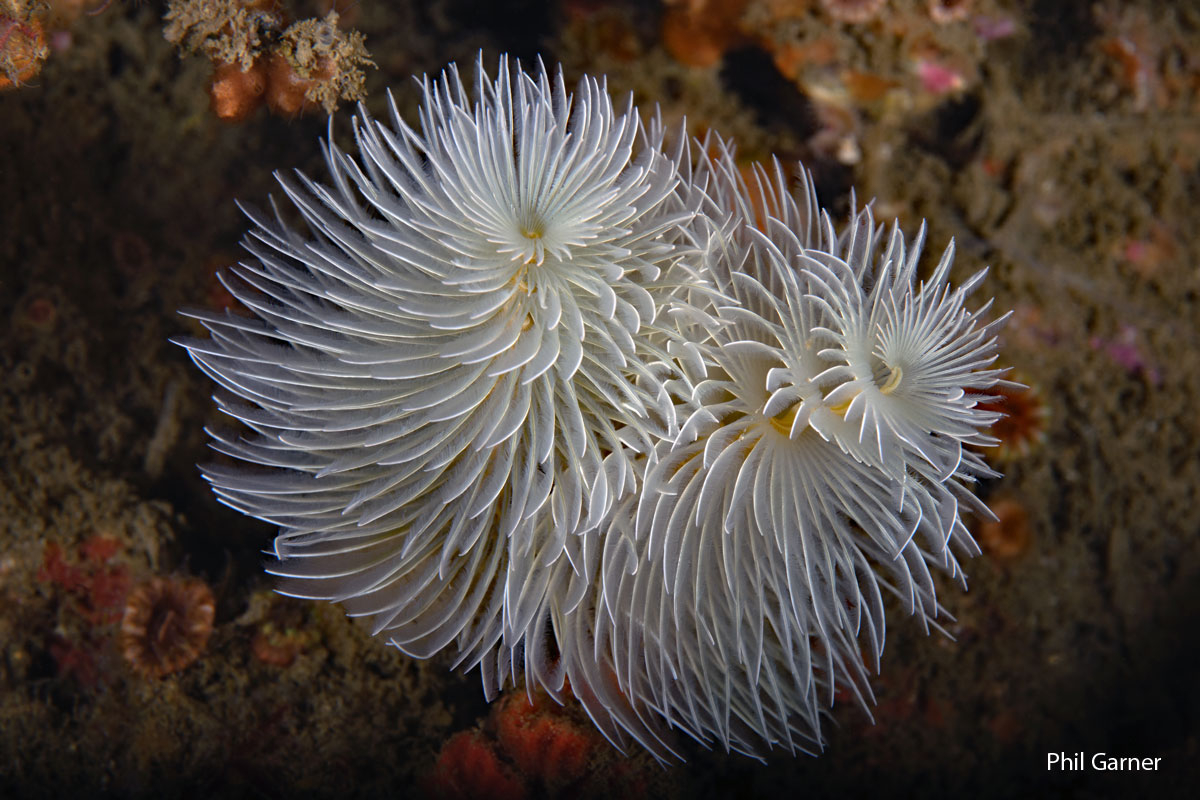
[611, 420]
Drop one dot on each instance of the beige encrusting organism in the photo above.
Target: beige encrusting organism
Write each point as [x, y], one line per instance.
[259, 57]
[531, 390]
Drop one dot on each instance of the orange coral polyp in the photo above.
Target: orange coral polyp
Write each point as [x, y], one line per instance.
[698, 34]
[1023, 427]
[544, 743]
[288, 92]
[1007, 537]
[467, 767]
[235, 93]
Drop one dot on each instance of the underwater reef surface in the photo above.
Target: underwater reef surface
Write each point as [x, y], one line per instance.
[1056, 142]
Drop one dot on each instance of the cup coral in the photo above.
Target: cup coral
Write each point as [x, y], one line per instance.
[166, 625]
[533, 391]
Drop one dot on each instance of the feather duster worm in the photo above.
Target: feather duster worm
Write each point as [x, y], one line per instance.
[820, 465]
[535, 392]
[448, 376]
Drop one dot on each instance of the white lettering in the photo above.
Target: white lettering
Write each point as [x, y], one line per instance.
[1104, 763]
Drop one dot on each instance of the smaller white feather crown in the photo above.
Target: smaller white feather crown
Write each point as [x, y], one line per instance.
[531, 390]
